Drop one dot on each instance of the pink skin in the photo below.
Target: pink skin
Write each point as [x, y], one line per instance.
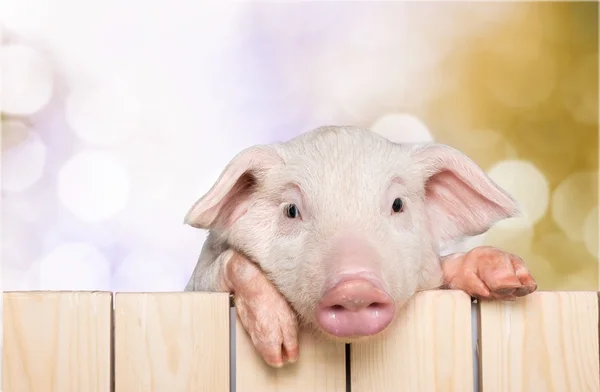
[354, 302]
[262, 310]
[486, 272]
[355, 307]
[347, 285]
[360, 306]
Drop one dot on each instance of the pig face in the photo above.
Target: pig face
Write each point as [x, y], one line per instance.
[347, 224]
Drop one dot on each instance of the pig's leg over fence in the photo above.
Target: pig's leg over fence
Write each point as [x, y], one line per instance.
[263, 311]
[488, 273]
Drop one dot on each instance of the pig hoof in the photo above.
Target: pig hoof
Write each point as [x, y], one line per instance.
[272, 326]
[490, 273]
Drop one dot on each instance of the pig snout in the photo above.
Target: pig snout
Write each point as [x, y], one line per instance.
[355, 307]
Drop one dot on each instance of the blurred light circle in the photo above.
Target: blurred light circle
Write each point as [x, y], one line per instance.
[541, 269]
[485, 147]
[521, 69]
[102, 115]
[572, 200]
[567, 256]
[23, 164]
[363, 85]
[482, 16]
[37, 209]
[74, 266]
[149, 271]
[579, 94]
[93, 185]
[585, 279]
[14, 132]
[521, 42]
[19, 278]
[308, 20]
[27, 80]
[518, 223]
[354, 86]
[551, 146]
[169, 203]
[402, 128]
[69, 228]
[25, 17]
[524, 182]
[529, 85]
[590, 231]
[381, 29]
[20, 245]
[512, 235]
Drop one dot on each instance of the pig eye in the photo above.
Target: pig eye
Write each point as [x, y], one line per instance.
[291, 211]
[397, 205]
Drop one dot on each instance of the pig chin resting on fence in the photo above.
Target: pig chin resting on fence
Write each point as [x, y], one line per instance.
[337, 228]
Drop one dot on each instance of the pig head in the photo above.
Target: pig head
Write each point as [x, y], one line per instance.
[347, 224]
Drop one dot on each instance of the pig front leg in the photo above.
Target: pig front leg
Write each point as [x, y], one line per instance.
[486, 272]
[263, 311]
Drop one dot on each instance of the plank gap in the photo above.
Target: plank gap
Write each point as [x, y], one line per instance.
[348, 368]
[232, 347]
[112, 342]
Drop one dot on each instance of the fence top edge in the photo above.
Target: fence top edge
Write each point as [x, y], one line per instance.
[53, 292]
[113, 293]
[171, 293]
[191, 293]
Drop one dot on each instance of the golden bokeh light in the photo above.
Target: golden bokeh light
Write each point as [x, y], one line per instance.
[578, 97]
[402, 128]
[572, 199]
[590, 231]
[523, 181]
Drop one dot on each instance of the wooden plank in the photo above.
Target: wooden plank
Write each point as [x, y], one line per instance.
[547, 341]
[172, 342]
[427, 349]
[321, 367]
[56, 341]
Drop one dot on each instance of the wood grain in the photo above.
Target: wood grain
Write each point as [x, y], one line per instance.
[56, 341]
[320, 368]
[172, 342]
[428, 349]
[547, 341]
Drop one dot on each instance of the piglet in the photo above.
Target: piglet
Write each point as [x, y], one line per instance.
[339, 227]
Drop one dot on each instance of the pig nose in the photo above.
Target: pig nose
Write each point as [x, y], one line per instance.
[355, 308]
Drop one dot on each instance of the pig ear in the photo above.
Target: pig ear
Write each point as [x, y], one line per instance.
[460, 199]
[228, 199]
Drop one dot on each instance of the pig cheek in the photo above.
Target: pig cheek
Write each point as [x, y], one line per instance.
[295, 272]
[429, 271]
[280, 247]
[254, 233]
[262, 240]
[401, 269]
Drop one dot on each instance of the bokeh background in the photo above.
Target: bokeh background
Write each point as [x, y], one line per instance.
[117, 116]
